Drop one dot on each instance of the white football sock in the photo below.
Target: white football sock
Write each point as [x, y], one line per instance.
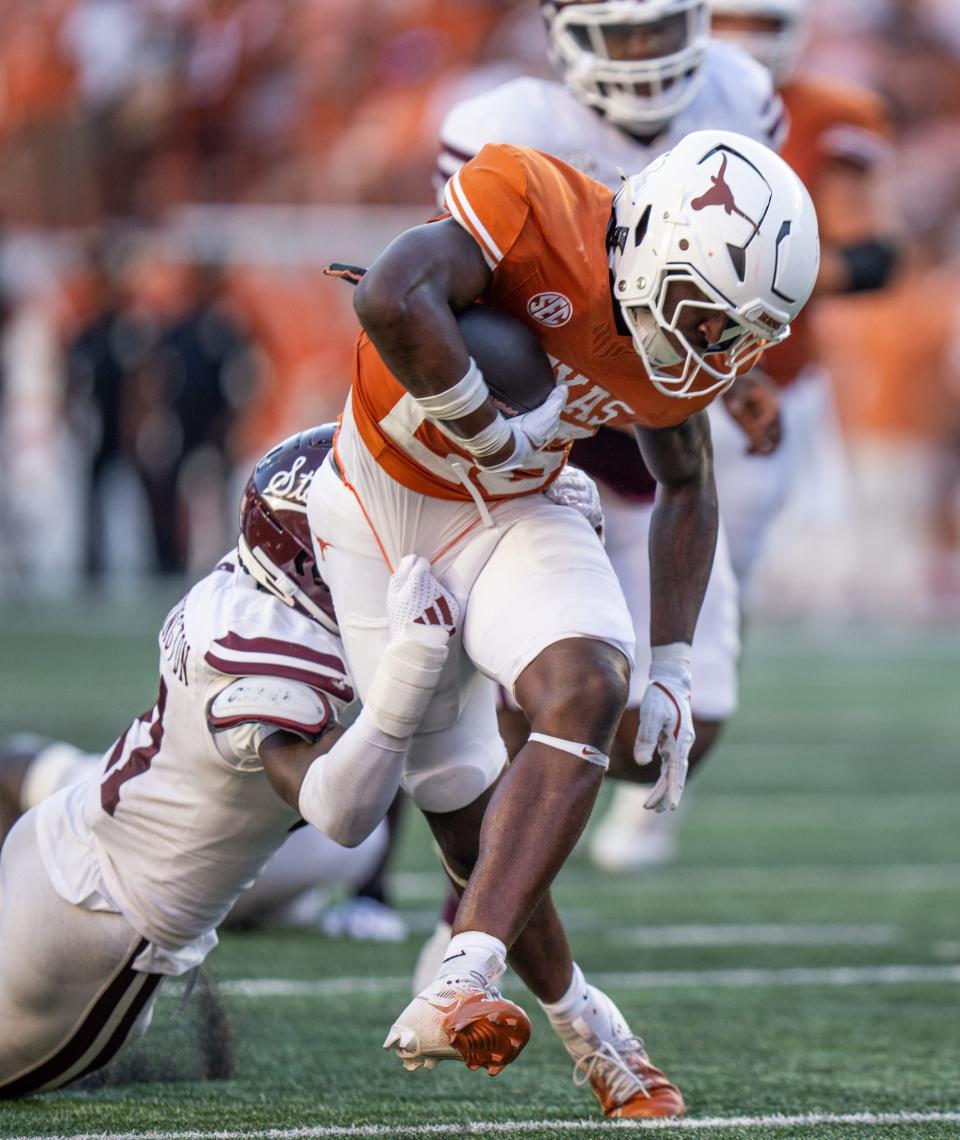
[574, 999]
[474, 950]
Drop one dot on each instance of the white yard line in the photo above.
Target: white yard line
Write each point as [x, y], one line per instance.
[744, 978]
[417, 885]
[766, 934]
[515, 1127]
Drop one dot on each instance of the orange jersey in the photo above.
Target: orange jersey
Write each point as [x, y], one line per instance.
[542, 227]
[828, 122]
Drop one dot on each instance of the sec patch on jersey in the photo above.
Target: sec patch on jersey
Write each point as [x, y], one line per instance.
[510, 357]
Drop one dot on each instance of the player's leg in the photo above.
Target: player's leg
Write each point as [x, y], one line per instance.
[606, 1053]
[32, 767]
[630, 836]
[70, 997]
[526, 626]
[572, 692]
[751, 489]
[307, 862]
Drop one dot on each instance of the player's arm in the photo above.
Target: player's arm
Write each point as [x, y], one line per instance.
[344, 783]
[407, 303]
[683, 529]
[683, 537]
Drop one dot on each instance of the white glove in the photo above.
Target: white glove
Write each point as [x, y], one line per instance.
[422, 615]
[574, 488]
[666, 723]
[414, 595]
[532, 431]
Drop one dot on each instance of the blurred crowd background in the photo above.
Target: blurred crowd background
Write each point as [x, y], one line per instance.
[175, 173]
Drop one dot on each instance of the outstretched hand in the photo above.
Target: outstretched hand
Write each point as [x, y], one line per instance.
[666, 724]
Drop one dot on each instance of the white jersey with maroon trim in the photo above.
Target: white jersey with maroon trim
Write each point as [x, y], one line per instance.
[180, 816]
[737, 94]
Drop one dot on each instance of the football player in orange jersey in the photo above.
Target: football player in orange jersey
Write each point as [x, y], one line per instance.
[648, 303]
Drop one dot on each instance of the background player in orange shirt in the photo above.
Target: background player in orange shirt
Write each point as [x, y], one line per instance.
[647, 303]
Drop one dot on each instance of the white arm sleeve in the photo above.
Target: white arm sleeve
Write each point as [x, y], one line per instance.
[346, 791]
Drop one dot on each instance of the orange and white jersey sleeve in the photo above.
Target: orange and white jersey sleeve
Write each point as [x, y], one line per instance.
[488, 197]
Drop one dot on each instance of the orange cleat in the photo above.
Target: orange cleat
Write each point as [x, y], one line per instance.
[627, 1083]
[610, 1057]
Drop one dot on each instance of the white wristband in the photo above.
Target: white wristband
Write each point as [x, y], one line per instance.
[463, 398]
[489, 440]
[671, 660]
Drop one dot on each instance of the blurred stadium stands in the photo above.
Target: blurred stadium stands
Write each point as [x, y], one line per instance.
[175, 173]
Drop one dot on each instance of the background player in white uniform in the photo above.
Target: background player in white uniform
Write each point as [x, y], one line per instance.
[121, 879]
[840, 144]
[639, 76]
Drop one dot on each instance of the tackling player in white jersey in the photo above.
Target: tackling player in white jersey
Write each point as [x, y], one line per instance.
[120, 879]
[639, 76]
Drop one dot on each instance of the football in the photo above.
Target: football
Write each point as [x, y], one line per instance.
[510, 357]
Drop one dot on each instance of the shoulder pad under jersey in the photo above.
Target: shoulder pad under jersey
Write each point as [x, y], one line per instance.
[253, 634]
[520, 112]
[283, 704]
[737, 94]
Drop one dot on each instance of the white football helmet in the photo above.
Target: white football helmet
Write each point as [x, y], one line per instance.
[779, 37]
[724, 213]
[637, 61]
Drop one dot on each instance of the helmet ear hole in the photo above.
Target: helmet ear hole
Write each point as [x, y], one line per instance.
[641, 231]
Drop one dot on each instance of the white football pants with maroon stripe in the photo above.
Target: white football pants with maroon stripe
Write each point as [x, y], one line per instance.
[69, 996]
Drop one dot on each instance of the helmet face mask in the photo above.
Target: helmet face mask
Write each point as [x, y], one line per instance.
[637, 61]
[676, 365]
[719, 226]
[774, 32]
[275, 546]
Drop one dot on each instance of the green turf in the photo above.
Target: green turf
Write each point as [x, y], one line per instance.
[832, 801]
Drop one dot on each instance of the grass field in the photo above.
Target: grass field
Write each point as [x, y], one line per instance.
[801, 959]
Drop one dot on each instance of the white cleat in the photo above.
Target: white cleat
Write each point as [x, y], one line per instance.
[364, 920]
[459, 1018]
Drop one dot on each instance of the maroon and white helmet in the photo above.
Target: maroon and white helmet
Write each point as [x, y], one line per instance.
[275, 546]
